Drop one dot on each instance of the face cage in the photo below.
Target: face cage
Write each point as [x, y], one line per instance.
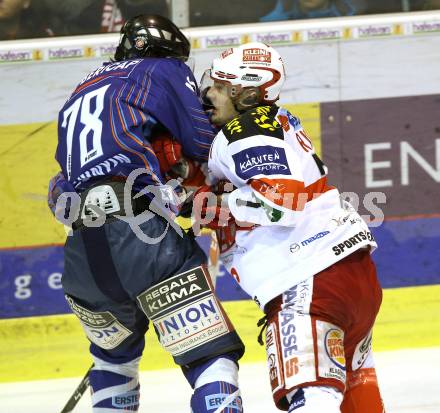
[207, 82]
[125, 52]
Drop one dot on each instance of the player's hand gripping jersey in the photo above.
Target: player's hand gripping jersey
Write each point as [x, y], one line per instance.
[117, 108]
[302, 225]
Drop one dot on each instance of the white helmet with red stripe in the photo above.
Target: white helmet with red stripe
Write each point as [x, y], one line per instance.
[252, 65]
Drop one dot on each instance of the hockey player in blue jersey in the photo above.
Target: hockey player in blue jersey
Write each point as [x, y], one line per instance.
[115, 282]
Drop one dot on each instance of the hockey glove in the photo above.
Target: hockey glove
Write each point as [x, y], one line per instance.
[210, 205]
[168, 152]
[57, 186]
[173, 164]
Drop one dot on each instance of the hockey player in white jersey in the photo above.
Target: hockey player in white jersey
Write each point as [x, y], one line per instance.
[289, 240]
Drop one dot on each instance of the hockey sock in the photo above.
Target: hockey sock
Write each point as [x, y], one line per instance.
[362, 394]
[215, 384]
[115, 387]
[216, 397]
[315, 399]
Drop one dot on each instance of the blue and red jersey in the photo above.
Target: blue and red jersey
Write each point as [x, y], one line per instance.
[105, 126]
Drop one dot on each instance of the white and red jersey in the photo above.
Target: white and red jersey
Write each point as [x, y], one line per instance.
[302, 224]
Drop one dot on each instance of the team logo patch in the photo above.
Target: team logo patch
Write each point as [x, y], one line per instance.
[139, 43]
[234, 126]
[334, 346]
[261, 160]
[265, 120]
[261, 119]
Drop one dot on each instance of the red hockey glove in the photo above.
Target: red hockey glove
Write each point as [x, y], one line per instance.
[168, 152]
[210, 210]
[210, 206]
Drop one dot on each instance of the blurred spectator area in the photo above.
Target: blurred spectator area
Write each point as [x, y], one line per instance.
[249, 11]
[21, 19]
[95, 16]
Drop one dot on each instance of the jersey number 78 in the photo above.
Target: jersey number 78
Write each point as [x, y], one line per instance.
[91, 123]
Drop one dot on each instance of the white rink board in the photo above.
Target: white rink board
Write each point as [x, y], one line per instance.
[316, 72]
[409, 382]
[351, 70]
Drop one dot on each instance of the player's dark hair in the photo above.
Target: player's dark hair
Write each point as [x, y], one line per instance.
[151, 36]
